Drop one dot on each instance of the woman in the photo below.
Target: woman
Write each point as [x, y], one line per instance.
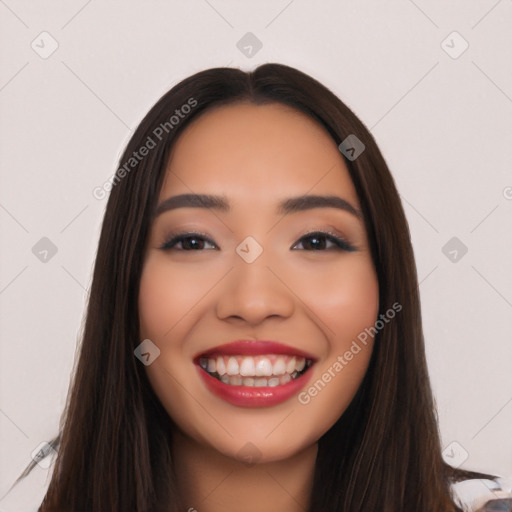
[253, 336]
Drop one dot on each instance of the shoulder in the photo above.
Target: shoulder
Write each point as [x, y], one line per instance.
[474, 494]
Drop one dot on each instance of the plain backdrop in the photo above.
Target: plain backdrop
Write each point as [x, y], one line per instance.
[431, 80]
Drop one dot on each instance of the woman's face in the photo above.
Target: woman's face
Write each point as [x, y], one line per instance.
[265, 267]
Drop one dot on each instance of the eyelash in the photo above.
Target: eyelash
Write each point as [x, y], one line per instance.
[341, 243]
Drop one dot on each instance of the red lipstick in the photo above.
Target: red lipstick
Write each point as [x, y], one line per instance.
[254, 348]
[248, 395]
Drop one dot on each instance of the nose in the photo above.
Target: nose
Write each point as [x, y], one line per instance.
[254, 292]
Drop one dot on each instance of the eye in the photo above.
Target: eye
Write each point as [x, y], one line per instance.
[189, 242]
[320, 241]
[315, 241]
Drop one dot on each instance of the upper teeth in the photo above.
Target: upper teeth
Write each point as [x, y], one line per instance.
[249, 366]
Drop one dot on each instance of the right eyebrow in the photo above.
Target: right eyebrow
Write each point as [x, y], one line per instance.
[193, 201]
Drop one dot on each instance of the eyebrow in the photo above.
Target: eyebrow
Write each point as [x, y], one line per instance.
[290, 205]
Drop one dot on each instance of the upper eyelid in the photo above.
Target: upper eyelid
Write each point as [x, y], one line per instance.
[179, 236]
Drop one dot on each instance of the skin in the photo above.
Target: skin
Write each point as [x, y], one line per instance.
[315, 300]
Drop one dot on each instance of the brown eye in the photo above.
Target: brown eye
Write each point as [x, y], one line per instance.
[189, 242]
[319, 241]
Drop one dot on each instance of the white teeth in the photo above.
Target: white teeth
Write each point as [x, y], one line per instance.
[286, 378]
[221, 367]
[237, 380]
[263, 368]
[212, 365]
[279, 366]
[247, 367]
[254, 371]
[232, 367]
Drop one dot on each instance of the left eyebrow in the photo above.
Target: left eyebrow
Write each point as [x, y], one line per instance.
[301, 203]
[290, 205]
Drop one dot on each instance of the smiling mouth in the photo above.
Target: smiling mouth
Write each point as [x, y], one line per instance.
[255, 371]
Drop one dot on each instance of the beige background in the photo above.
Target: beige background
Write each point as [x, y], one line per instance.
[442, 118]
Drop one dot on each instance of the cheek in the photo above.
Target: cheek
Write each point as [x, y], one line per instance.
[345, 298]
[347, 302]
[156, 302]
[353, 302]
[166, 296]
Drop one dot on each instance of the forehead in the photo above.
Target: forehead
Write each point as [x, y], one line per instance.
[258, 151]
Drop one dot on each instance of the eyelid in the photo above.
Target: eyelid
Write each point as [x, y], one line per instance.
[174, 237]
[336, 237]
[328, 233]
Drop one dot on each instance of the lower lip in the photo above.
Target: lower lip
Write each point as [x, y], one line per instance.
[249, 396]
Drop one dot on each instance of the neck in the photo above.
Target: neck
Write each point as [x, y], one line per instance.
[209, 481]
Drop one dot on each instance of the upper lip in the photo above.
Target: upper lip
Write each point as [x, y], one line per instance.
[253, 348]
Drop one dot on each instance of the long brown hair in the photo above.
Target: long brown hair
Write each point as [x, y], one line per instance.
[384, 452]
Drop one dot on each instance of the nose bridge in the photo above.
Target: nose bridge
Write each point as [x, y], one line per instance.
[252, 265]
[253, 291]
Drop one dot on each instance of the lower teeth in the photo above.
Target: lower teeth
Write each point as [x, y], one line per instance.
[258, 381]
